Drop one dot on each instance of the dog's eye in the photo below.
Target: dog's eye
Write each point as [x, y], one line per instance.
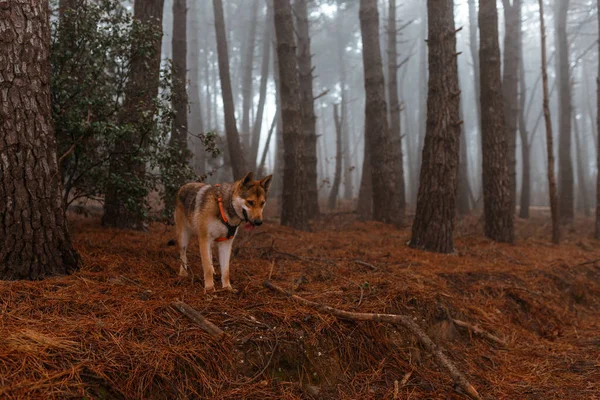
[262, 204]
[251, 203]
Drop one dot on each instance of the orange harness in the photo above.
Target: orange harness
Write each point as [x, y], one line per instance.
[231, 229]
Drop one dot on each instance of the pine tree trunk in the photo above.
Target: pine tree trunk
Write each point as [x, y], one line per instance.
[236, 155]
[179, 101]
[598, 135]
[499, 224]
[474, 50]
[525, 146]
[582, 161]
[335, 188]
[140, 93]
[433, 225]
[364, 207]
[386, 194]
[510, 88]
[196, 123]
[565, 170]
[247, 81]
[35, 238]
[346, 156]
[394, 103]
[295, 183]
[307, 103]
[554, 208]
[264, 77]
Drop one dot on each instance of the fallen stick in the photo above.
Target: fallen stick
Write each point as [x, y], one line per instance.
[402, 320]
[199, 319]
[479, 331]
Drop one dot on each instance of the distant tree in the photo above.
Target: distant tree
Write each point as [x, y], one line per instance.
[394, 103]
[295, 183]
[248, 64]
[433, 225]
[305, 69]
[364, 206]
[499, 220]
[237, 157]
[386, 195]
[335, 187]
[524, 135]
[554, 208]
[598, 133]
[195, 117]
[35, 237]
[474, 47]
[566, 194]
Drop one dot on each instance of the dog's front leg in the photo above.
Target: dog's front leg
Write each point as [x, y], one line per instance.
[207, 264]
[224, 256]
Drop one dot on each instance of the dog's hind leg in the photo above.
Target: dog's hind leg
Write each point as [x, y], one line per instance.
[207, 264]
[224, 256]
[183, 238]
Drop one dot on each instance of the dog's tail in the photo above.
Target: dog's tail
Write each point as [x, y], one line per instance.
[172, 242]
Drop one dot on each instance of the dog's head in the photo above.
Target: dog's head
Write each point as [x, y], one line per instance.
[251, 197]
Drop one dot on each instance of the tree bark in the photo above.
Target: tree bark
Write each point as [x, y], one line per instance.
[141, 91]
[335, 187]
[565, 170]
[196, 122]
[295, 182]
[247, 81]
[179, 101]
[35, 237]
[364, 207]
[598, 133]
[433, 226]
[510, 88]
[307, 104]
[394, 103]
[554, 208]
[496, 183]
[525, 146]
[386, 195]
[238, 160]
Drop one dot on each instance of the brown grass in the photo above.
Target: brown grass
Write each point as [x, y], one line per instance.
[108, 331]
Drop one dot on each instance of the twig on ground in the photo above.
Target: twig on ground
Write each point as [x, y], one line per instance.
[199, 319]
[586, 263]
[402, 320]
[479, 331]
[366, 264]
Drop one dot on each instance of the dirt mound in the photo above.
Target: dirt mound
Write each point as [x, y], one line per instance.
[110, 332]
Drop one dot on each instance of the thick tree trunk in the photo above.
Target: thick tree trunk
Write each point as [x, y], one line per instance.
[295, 182]
[307, 103]
[196, 123]
[141, 91]
[525, 146]
[433, 225]
[510, 88]
[598, 133]
[566, 195]
[264, 77]
[236, 155]
[247, 81]
[554, 208]
[335, 188]
[33, 227]
[387, 205]
[394, 103]
[499, 224]
[179, 101]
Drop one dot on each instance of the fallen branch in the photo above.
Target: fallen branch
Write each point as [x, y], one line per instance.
[366, 264]
[402, 320]
[199, 319]
[479, 331]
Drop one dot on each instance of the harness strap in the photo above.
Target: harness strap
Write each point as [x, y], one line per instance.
[231, 229]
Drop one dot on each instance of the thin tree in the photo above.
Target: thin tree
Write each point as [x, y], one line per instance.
[394, 103]
[598, 133]
[433, 225]
[549, 137]
[337, 178]
[247, 94]
[387, 205]
[179, 98]
[35, 237]
[499, 220]
[295, 183]
[236, 155]
[309, 118]
[566, 194]
[196, 122]
[524, 135]
[140, 93]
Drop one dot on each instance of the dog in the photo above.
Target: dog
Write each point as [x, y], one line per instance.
[214, 213]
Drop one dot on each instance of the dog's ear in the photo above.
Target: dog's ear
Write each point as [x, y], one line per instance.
[248, 179]
[266, 182]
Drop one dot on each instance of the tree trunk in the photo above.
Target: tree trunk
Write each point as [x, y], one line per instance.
[565, 169]
[549, 137]
[307, 103]
[463, 195]
[525, 146]
[196, 123]
[179, 100]
[264, 77]
[386, 195]
[335, 188]
[423, 82]
[581, 172]
[364, 207]
[140, 93]
[247, 81]
[238, 161]
[496, 184]
[395, 127]
[598, 133]
[510, 88]
[295, 183]
[35, 237]
[346, 158]
[433, 225]
[474, 49]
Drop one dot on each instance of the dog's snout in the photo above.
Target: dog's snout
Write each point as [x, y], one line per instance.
[258, 222]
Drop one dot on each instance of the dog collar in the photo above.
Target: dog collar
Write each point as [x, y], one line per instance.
[231, 229]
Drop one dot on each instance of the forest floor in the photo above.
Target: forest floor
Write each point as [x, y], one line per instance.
[109, 331]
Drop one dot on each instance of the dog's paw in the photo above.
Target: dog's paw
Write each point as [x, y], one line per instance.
[230, 289]
[183, 273]
[209, 289]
